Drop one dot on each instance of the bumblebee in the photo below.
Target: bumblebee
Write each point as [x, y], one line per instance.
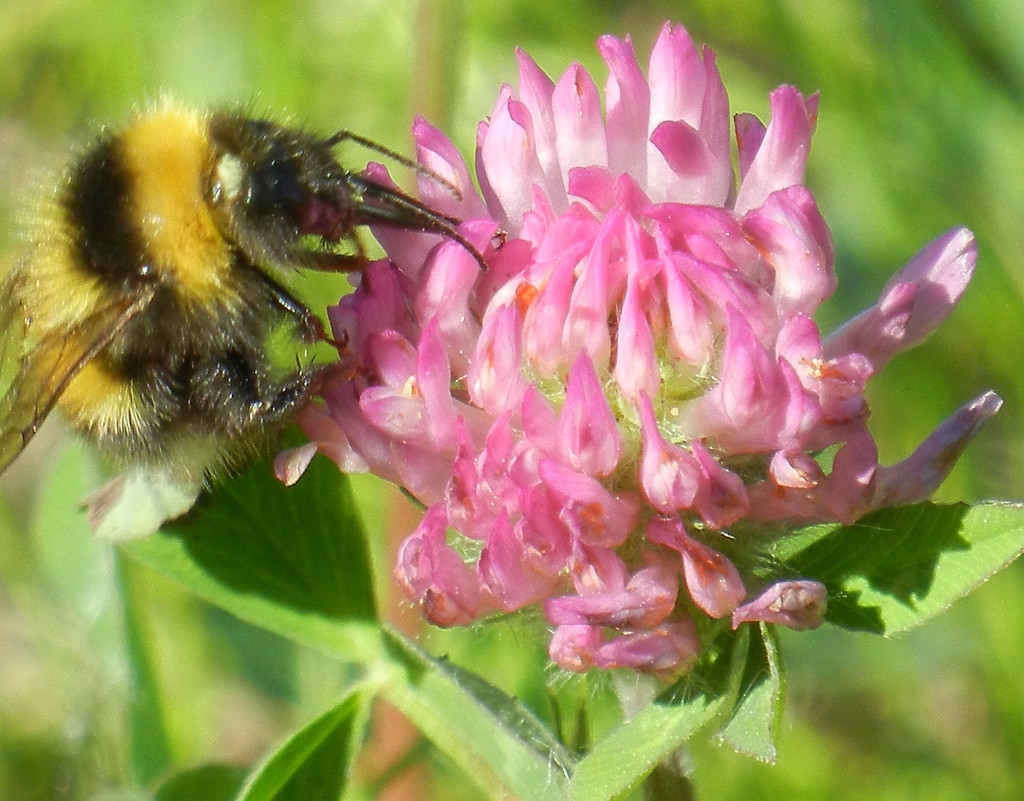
[157, 275]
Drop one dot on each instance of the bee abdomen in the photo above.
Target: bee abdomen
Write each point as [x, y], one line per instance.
[104, 239]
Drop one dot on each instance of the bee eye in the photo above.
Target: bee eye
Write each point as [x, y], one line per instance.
[275, 185]
[229, 176]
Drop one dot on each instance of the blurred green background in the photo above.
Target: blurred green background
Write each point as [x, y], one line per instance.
[921, 129]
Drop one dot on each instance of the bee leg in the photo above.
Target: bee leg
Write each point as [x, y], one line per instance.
[290, 395]
[311, 328]
[336, 262]
[234, 393]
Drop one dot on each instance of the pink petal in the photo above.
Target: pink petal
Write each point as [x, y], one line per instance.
[920, 474]
[433, 575]
[668, 650]
[795, 469]
[418, 409]
[627, 102]
[379, 305]
[802, 419]
[495, 380]
[798, 605]
[851, 484]
[782, 156]
[573, 647]
[483, 478]
[596, 569]
[711, 579]
[715, 129]
[436, 152]
[540, 423]
[290, 464]
[576, 104]
[595, 185]
[677, 78]
[691, 331]
[598, 284]
[913, 303]
[636, 368]
[507, 163]
[722, 498]
[688, 156]
[838, 384]
[793, 238]
[351, 440]
[588, 434]
[536, 91]
[407, 247]
[594, 515]
[689, 159]
[546, 317]
[742, 413]
[750, 133]
[443, 298]
[330, 438]
[515, 575]
[669, 475]
[645, 601]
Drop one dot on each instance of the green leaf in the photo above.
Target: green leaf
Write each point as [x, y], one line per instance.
[900, 567]
[314, 763]
[80, 575]
[122, 794]
[205, 783]
[754, 726]
[621, 760]
[149, 744]
[289, 559]
[71, 559]
[493, 737]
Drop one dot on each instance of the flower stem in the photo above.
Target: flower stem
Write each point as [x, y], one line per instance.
[438, 32]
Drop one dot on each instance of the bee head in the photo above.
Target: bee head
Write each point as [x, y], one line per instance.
[272, 185]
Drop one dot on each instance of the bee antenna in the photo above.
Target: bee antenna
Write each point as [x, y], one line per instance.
[342, 136]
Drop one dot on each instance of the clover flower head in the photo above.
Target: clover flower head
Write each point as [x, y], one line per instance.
[608, 422]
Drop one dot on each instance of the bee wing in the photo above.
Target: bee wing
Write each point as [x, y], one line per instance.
[36, 374]
[137, 502]
[12, 324]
